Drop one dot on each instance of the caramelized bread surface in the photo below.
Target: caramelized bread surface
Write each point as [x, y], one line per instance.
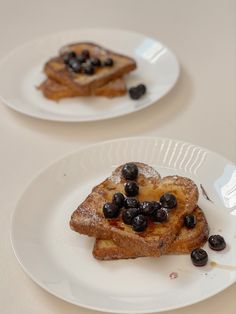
[83, 83]
[56, 91]
[185, 242]
[88, 218]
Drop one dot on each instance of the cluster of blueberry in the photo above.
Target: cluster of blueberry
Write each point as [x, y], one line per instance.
[199, 256]
[137, 213]
[83, 63]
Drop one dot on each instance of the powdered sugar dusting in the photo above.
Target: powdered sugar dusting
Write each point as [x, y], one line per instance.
[145, 170]
[116, 178]
[148, 171]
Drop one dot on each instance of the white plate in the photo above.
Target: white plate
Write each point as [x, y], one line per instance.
[60, 260]
[21, 72]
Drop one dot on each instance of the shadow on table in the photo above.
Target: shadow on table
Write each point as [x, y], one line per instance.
[145, 121]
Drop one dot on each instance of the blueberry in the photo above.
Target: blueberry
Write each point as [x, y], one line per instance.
[131, 203]
[130, 171]
[137, 91]
[168, 201]
[160, 215]
[111, 210]
[142, 89]
[147, 208]
[71, 62]
[190, 221]
[199, 257]
[131, 188]
[108, 62]
[216, 242]
[118, 199]
[95, 62]
[85, 53]
[89, 69]
[68, 56]
[87, 63]
[81, 58]
[139, 223]
[128, 215]
[134, 93]
[75, 66]
[156, 205]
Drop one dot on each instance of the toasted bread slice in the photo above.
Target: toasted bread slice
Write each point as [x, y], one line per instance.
[80, 82]
[88, 218]
[185, 242]
[56, 91]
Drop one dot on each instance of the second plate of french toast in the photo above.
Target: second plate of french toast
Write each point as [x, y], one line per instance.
[87, 75]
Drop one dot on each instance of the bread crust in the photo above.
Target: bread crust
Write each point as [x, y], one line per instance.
[56, 91]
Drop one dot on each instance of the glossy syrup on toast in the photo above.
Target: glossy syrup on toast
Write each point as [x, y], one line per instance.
[186, 241]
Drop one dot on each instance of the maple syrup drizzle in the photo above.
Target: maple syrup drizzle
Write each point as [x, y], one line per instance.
[221, 266]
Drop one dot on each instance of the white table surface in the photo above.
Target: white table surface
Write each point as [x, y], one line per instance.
[201, 109]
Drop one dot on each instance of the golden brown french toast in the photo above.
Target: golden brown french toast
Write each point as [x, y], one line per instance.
[56, 91]
[186, 241]
[89, 218]
[83, 83]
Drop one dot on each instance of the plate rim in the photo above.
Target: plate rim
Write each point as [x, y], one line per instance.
[64, 119]
[77, 303]
[88, 146]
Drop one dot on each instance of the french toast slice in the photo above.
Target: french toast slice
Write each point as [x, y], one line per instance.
[83, 83]
[56, 91]
[88, 218]
[186, 241]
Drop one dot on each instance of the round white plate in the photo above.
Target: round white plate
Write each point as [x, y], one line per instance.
[21, 72]
[60, 260]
